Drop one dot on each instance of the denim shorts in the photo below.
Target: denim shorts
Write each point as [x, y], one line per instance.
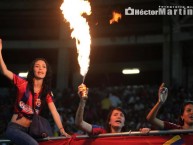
[19, 135]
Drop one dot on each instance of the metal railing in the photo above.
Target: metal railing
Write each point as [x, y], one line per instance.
[130, 133]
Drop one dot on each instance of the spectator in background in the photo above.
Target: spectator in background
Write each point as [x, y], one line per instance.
[105, 106]
[115, 101]
[186, 113]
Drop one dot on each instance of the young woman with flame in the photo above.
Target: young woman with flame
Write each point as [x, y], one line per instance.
[115, 120]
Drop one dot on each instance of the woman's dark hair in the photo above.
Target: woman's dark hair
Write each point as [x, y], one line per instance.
[46, 87]
[107, 125]
[181, 122]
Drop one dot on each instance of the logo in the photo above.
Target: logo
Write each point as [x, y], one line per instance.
[25, 108]
[162, 10]
[176, 140]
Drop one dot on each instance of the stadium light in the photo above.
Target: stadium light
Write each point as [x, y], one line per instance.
[131, 71]
[23, 74]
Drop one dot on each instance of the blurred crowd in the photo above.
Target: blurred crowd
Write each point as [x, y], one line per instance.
[135, 100]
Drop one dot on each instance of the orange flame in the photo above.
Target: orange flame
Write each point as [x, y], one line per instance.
[73, 11]
[116, 17]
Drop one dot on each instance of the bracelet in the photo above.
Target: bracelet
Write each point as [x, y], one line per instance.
[61, 128]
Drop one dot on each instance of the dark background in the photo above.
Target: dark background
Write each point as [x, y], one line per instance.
[146, 42]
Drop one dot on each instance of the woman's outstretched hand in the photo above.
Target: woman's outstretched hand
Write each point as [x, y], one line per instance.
[63, 133]
[83, 92]
[144, 130]
[162, 93]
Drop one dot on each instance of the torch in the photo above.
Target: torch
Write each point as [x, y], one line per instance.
[73, 11]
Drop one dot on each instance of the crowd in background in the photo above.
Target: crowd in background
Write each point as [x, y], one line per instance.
[135, 100]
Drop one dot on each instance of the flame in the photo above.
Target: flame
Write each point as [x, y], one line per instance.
[116, 17]
[73, 11]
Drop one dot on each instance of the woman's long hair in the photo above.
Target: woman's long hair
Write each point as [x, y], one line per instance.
[47, 81]
[181, 122]
[107, 125]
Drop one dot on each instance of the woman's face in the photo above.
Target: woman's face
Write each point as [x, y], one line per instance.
[188, 114]
[117, 119]
[40, 69]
